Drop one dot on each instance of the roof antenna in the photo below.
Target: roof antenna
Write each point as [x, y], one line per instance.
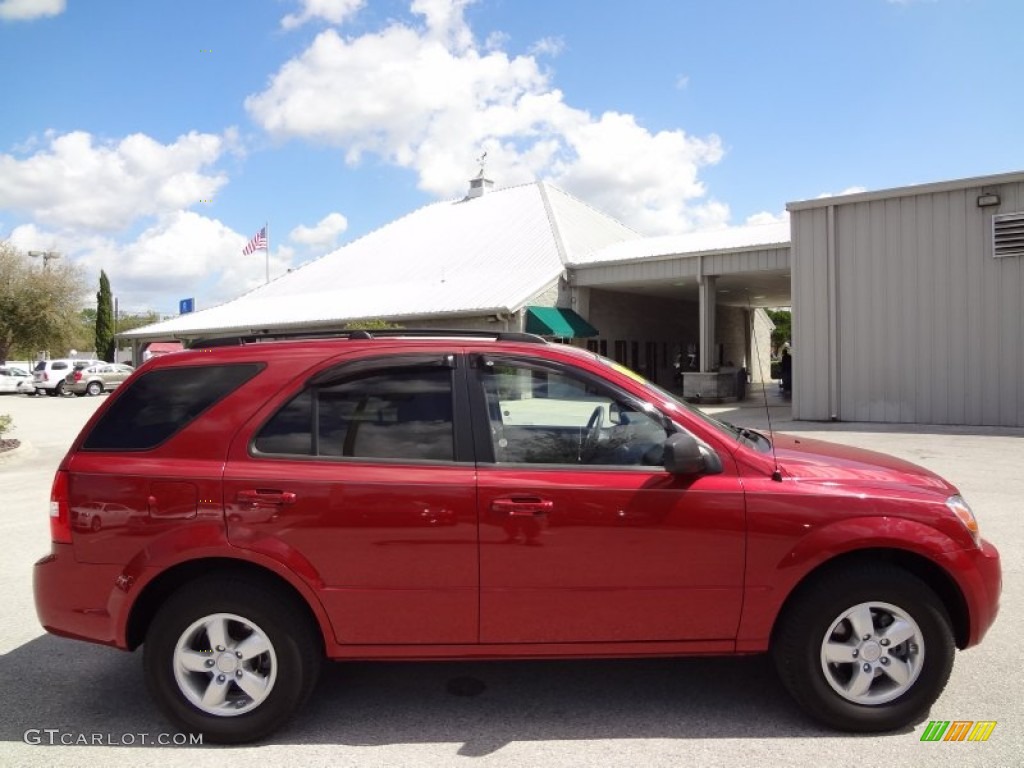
[776, 473]
[482, 160]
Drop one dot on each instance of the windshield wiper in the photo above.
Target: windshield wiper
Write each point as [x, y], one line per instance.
[748, 434]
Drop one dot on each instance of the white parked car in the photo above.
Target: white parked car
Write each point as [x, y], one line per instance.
[14, 379]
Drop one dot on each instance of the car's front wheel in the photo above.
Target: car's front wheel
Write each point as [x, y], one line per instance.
[229, 660]
[865, 649]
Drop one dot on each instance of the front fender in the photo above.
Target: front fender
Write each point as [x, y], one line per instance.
[770, 580]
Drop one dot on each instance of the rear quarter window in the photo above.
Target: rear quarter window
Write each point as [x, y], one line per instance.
[163, 402]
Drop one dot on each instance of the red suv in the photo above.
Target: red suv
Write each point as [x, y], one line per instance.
[459, 495]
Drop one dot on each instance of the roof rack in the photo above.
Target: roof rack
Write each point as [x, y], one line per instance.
[255, 338]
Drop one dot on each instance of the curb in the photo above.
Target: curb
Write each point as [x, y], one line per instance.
[24, 450]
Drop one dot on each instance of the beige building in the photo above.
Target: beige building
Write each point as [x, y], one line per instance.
[908, 304]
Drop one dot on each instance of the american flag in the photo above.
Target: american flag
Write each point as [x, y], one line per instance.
[258, 243]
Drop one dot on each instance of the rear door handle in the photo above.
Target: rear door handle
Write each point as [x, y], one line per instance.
[522, 506]
[266, 498]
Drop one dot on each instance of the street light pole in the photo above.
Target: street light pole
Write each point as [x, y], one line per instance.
[46, 256]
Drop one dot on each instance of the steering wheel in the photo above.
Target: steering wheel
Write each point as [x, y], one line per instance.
[593, 431]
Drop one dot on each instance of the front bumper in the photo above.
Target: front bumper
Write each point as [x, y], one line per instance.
[981, 579]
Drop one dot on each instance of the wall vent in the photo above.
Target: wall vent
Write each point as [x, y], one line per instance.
[1008, 235]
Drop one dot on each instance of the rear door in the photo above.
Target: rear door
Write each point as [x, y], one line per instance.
[358, 479]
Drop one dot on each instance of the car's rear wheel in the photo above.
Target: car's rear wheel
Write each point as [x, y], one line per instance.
[229, 660]
[94, 388]
[59, 389]
[865, 649]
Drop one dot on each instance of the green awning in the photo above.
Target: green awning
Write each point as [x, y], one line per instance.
[555, 321]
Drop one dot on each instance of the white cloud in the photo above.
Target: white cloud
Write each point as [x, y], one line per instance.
[325, 233]
[427, 98]
[848, 191]
[332, 11]
[76, 182]
[25, 10]
[766, 217]
[682, 82]
[548, 46]
[182, 254]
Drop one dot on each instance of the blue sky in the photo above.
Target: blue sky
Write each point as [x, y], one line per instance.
[153, 139]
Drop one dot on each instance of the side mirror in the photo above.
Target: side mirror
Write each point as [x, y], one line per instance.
[685, 456]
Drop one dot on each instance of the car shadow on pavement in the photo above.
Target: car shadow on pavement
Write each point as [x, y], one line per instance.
[83, 689]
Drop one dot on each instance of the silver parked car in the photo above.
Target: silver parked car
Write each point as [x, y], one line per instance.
[102, 377]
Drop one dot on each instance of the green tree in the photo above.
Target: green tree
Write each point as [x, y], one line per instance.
[105, 320]
[129, 322]
[38, 305]
[371, 325]
[783, 319]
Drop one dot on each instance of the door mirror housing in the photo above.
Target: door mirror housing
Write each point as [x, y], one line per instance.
[685, 456]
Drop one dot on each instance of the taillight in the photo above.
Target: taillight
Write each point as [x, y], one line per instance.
[78, 375]
[60, 512]
[45, 376]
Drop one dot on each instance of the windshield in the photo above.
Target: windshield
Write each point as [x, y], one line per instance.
[749, 436]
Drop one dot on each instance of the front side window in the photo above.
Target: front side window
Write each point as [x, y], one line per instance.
[393, 414]
[545, 416]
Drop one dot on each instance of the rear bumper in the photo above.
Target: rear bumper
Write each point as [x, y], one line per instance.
[78, 600]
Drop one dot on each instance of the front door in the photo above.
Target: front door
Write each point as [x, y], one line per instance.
[584, 537]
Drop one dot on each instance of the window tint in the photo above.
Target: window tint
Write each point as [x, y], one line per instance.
[160, 403]
[401, 414]
[59, 366]
[541, 416]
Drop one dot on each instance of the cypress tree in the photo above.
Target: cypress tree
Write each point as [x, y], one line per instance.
[104, 320]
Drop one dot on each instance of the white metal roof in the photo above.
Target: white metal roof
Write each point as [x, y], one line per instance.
[915, 189]
[731, 238]
[491, 253]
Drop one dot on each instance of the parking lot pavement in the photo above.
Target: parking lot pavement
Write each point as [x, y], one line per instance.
[650, 712]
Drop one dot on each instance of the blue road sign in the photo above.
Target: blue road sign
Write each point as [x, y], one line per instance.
[185, 306]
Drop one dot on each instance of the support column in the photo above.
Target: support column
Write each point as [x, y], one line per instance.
[706, 298]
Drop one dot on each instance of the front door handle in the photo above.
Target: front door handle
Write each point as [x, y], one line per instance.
[265, 498]
[522, 506]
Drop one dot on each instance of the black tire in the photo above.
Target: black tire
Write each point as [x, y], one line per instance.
[94, 388]
[814, 615]
[294, 657]
[59, 389]
[52, 392]
[96, 524]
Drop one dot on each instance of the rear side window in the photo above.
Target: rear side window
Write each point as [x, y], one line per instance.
[58, 366]
[163, 402]
[398, 414]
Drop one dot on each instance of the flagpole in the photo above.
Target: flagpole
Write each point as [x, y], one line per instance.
[266, 226]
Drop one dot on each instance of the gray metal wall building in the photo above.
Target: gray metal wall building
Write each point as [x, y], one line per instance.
[902, 311]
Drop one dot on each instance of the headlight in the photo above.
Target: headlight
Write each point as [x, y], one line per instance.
[962, 510]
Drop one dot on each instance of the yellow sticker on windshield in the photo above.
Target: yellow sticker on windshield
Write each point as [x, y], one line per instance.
[628, 372]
